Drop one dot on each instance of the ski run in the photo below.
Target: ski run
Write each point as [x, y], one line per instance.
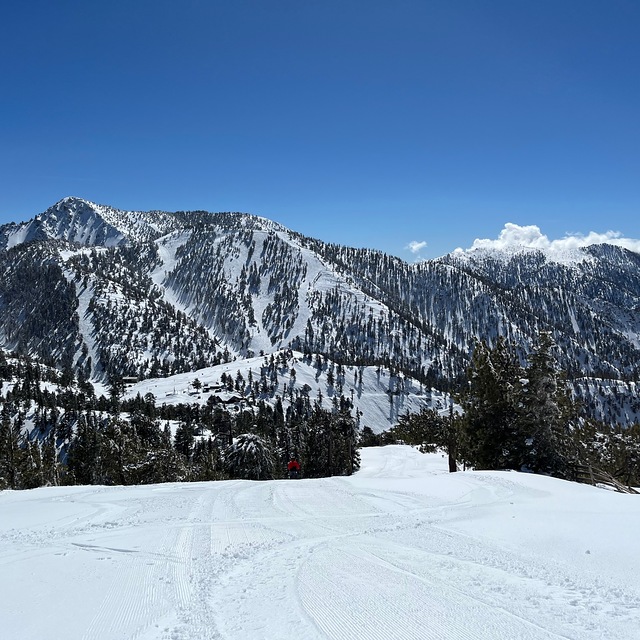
[402, 549]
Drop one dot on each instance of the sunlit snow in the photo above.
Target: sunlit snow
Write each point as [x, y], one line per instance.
[401, 549]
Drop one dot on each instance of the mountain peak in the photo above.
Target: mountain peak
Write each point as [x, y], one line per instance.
[71, 200]
[186, 290]
[80, 221]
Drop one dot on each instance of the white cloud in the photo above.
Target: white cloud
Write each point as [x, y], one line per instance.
[416, 247]
[530, 236]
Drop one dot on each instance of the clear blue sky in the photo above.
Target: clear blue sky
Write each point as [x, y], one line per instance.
[370, 123]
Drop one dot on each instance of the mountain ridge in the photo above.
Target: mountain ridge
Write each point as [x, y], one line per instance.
[150, 294]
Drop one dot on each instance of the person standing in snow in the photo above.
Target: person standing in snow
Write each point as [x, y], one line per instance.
[293, 468]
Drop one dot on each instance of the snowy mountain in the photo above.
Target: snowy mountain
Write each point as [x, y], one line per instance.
[149, 294]
[401, 550]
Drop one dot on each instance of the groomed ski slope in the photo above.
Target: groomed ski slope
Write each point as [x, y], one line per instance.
[400, 550]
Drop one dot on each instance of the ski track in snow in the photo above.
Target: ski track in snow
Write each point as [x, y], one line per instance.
[400, 550]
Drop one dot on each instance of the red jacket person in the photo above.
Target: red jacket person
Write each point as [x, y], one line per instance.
[293, 468]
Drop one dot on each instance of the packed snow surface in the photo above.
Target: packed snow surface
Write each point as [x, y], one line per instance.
[402, 549]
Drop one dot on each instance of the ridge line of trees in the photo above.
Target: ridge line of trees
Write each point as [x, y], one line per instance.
[521, 416]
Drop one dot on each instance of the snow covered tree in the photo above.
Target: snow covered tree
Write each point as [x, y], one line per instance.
[491, 436]
[184, 439]
[84, 456]
[11, 454]
[249, 458]
[122, 451]
[545, 413]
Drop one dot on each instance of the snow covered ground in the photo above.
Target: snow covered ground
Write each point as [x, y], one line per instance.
[400, 550]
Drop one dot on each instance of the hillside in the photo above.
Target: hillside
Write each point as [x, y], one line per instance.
[400, 550]
[109, 293]
[379, 397]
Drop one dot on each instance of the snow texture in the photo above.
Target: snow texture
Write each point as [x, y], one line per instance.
[400, 550]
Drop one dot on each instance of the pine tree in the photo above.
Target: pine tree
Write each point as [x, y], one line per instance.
[249, 458]
[50, 467]
[346, 457]
[31, 465]
[168, 464]
[184, 439]
[207, 461]
[122, 451]
[546, 412]
[11, 453]
[491, 436]
[84, 455]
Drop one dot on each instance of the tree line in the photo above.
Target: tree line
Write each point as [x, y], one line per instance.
[512, 412]
[521, 416]
[112, 441]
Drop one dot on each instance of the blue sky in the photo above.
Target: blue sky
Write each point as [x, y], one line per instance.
[374, 123]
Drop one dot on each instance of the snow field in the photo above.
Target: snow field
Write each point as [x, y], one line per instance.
[402, 549]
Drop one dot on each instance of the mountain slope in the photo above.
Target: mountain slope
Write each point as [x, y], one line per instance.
[147, 294]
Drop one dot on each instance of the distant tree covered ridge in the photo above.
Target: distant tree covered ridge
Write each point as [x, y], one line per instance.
[113, 293]
[54, 430]
[541, 352]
